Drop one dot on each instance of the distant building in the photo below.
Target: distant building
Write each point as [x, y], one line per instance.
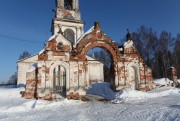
[64, 67]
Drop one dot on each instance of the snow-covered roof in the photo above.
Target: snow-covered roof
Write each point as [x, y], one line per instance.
[52, 37]
[41, 51]
[26, 58]
[87, 32]
[32, 68]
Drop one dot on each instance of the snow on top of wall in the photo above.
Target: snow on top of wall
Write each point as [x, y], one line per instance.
[172, 67]
[128, 44]
[26, 58]
[52, 37]
[32, 68]
[41, 51]
[87, 32]
[163, 81]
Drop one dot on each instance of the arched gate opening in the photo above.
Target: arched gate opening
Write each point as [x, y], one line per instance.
[59, 79]
[101, 65]
[93, 39]
[113, 54]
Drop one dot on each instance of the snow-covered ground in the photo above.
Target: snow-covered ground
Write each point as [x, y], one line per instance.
[160, 104]
[11, 101]
[163, 81]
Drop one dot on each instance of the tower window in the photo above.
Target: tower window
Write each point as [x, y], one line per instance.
[69, 35]
[68, 4]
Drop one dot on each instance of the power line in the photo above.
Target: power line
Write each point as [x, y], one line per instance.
[23, 40]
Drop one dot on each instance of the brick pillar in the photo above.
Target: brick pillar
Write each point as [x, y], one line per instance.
[31, 85]
[174, 77]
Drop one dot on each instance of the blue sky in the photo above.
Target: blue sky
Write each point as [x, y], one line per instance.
[31, 20]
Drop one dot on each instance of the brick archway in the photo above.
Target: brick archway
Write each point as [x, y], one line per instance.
[109, 50]
[97, 38]
[105, 46]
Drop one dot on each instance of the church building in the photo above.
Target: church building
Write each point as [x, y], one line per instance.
[64, 67]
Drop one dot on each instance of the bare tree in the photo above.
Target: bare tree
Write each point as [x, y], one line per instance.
[13, 79]
[177, 55]
[145, 40]
[24, 55]
[157, 52]
[166, 45]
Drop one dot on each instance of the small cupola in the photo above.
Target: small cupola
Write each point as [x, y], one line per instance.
[128, 36]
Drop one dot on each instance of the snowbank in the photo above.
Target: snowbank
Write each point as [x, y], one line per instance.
[104, 90]
[11, 101]
[163, 81]
[10, 97]
[129, 95]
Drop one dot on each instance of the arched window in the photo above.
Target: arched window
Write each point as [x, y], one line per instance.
[68, 4]
[69, 35]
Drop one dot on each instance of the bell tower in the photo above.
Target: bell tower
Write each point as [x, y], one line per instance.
[68, 20]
